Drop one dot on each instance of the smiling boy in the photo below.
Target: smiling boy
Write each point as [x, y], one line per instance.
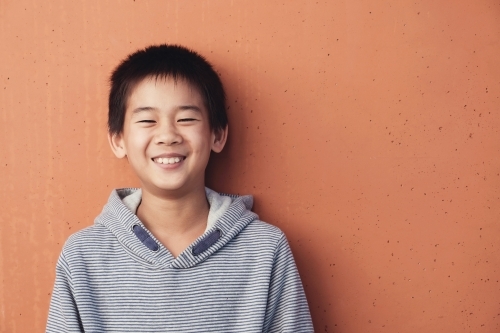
[174, 256]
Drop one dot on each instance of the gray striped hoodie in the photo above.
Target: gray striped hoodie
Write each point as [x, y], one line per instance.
[239, 276]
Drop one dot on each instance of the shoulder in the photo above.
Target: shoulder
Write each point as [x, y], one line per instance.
[265, 229]
[86, 241]
[93, 233]
[264, 233]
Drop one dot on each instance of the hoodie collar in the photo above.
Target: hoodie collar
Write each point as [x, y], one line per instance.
[229, 214]
[218, 203]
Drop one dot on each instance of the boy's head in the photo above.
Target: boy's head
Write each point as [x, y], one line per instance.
[166, 115]
[166, 61]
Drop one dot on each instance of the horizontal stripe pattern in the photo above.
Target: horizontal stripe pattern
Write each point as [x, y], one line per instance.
[107, 280]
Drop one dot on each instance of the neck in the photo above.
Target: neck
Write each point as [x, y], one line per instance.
[174, 215]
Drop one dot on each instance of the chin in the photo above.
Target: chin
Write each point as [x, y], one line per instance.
[171, 186]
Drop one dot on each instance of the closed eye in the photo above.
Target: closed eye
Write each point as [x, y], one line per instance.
[186, 119]
[146, 121]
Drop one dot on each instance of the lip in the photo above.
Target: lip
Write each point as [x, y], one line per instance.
[169, 166]
[168, 155]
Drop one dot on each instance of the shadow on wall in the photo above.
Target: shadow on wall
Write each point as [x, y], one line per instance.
[259, 159]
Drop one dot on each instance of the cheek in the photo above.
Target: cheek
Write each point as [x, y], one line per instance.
[137, 143]
[205, 144]
[200, 139]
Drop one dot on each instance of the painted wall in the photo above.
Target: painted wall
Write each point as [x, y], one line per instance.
[367, 130]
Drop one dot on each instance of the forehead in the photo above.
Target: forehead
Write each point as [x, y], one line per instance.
[163, 92]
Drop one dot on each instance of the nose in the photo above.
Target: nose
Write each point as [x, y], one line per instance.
[167, 133]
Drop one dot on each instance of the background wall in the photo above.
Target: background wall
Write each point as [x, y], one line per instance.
[367, 130]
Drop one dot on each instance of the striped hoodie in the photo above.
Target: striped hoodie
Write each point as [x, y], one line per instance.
[239, 276]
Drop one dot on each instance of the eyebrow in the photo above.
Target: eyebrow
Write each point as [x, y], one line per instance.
[182, 108]
[190, 107]
[144, 108]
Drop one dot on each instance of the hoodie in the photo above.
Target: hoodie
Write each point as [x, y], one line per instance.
[239, 276]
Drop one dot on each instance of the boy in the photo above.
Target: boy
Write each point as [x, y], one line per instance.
[174, 256]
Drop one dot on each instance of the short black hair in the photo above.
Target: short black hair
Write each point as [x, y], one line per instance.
[166, 61]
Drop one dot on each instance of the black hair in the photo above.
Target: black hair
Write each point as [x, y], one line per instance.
[162, 61]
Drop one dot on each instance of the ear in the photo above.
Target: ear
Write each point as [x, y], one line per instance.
[219, 138]
[117, 146]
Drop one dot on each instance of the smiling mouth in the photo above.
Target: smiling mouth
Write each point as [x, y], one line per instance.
[168, 160]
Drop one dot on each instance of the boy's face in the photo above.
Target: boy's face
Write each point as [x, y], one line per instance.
[166, 136]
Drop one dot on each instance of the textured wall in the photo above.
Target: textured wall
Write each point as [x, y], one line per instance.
[367, 130]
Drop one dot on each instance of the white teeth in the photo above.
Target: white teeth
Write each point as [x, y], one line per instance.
[166, 160]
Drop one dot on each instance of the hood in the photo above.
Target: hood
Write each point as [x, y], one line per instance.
[229, 215]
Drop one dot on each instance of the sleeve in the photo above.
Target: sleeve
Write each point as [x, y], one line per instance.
[287, 309]
[63, 312]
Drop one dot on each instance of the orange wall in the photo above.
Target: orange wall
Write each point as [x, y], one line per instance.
[367, 130]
